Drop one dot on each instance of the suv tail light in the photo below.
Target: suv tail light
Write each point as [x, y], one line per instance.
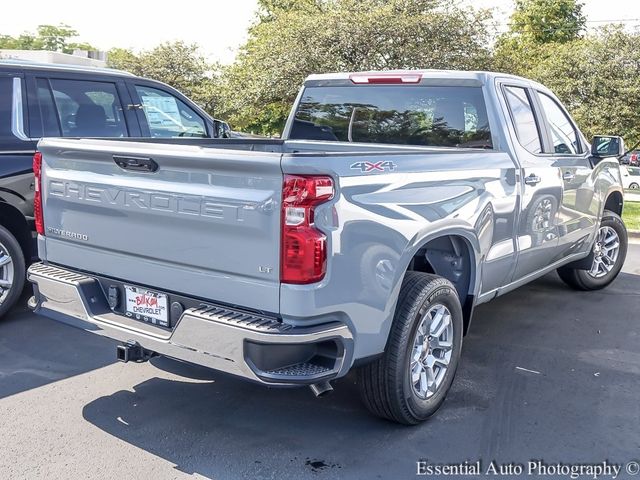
[303, 254]
[37, 196]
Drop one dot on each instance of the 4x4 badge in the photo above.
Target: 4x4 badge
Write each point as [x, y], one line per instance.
[368, 167]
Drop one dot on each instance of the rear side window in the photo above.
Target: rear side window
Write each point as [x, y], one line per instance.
[406, 115]
[563, 133]
[168, 116]
[6, 102]
[523, 119]
[84, 108]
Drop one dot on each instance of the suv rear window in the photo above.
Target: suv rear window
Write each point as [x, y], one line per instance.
[406, 115]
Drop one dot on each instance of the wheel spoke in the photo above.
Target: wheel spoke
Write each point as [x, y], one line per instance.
[5, 260]
[424, 385]
[444, 346]
[443, 362]
[5, 283]
[416, 372]
[446, 321]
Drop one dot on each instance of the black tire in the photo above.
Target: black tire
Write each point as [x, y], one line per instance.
[580, 279]
[384, 384]
[9, 245]
[634, 186]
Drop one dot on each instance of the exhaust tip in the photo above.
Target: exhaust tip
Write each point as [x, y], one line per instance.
[321, 389]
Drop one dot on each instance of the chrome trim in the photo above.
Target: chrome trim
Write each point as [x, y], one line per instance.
[209, 335]
[17, 112]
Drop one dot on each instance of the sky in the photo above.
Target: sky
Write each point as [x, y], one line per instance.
[218, 26]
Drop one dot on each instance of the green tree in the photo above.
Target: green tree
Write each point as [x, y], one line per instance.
[47, 37]
[545, 21]
[598, 79]
[178, 64]
[293, 39]
[535, 26]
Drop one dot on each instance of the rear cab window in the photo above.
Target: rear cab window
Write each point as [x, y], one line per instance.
[451, 116]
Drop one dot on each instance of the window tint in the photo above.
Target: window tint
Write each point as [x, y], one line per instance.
[523, 119]
[168, 116]
[563, 133]
[6, 102]
[48, 116]
[88, 109]
[408, 115]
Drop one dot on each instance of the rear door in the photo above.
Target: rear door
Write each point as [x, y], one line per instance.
[537, 230]
[67, 105]
[202, 222]
[579, 209]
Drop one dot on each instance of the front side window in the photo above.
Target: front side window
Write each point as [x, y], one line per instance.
[524, 120]
[85, 108]
[168, 116]
[563, 133]
[406, 115]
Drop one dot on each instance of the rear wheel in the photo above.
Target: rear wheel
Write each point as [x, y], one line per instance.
[12, 270]
[634, 186]
[410, 381]
[609, 253]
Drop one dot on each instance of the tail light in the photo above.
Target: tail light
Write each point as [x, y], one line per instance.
[382, 78]
[303, 257]
[37, 196]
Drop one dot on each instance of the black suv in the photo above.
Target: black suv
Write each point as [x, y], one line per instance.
[44, 100]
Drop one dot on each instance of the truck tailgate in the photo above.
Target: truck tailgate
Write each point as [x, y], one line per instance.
[205, 223]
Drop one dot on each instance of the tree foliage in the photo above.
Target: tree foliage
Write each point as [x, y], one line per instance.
[177, 64]
[597, 76]
[294, 38]
[55, 38]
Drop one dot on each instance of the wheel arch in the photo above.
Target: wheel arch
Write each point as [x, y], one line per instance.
[14, 221]
[452, 254]
[614, 202]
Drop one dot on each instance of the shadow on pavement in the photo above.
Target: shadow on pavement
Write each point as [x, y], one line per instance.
[533, 383]
[35, 351]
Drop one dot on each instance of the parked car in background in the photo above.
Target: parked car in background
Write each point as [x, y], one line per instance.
[631, 178]
[393, 205]
[45, 100]
[631, 158]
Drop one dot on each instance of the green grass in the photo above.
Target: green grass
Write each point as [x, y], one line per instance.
[631, 215]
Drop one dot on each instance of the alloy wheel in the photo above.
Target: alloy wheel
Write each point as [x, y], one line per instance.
[431, 352]
[605, 252]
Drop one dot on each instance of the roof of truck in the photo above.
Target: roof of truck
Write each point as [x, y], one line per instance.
[479, 77]
[26, 64]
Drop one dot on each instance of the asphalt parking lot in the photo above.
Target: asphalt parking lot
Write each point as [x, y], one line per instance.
[547, 373]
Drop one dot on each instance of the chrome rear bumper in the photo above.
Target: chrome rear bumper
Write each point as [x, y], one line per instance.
[253, 346]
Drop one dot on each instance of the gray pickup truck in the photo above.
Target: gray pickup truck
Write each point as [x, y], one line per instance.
[395, 203]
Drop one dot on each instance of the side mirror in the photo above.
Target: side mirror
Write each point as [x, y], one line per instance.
[603, 146]
[223, 129]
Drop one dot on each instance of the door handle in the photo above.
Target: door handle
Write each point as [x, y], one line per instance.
[568, 176]
[532, 179]
[136, 164]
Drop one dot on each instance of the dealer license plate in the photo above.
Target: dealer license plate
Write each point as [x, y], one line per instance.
[146, 305]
